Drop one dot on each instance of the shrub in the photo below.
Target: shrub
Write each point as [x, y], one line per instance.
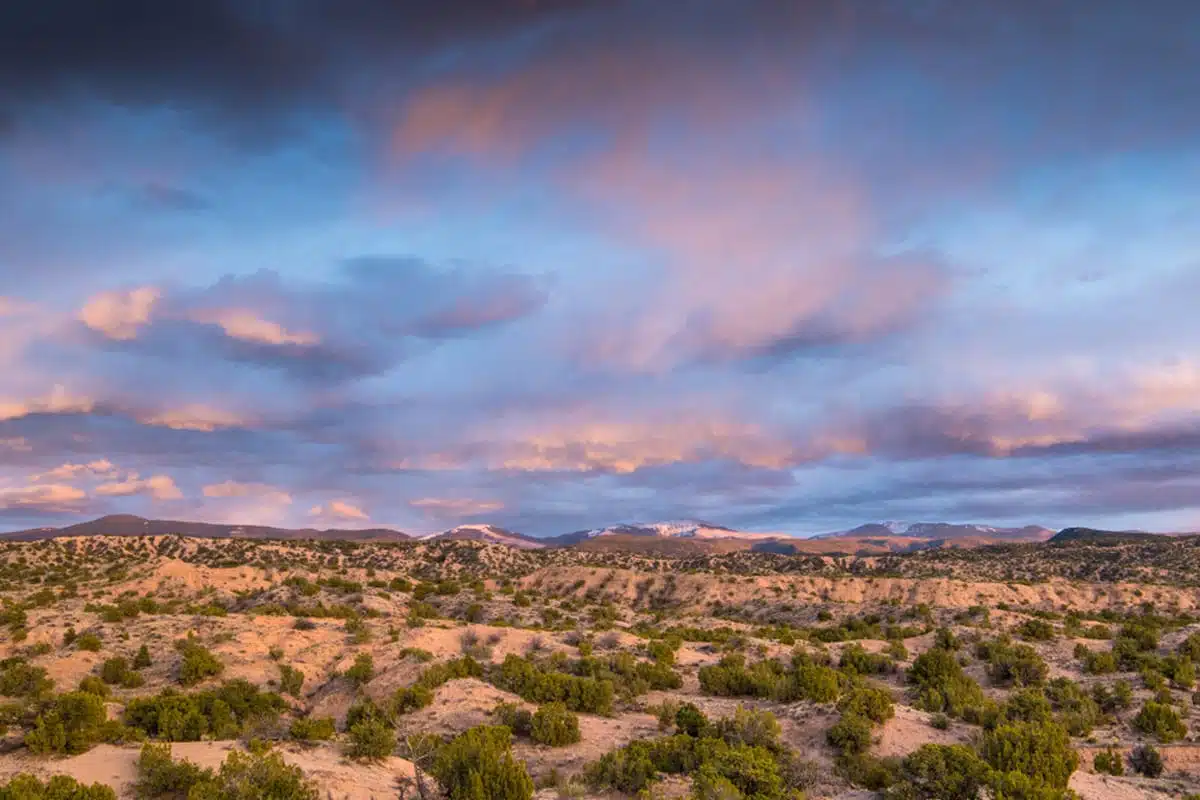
[58, 787]
[856, 659]
[868, 702]
[198, 663]
[1161, 720]
[1145, 760]
[749, 727]
[142, 659]
[525, 678]
[1036, 630]
[512, 716]
[554, 725]
[1013, 664]
[221, 712]
[478, 765]
[93, 685]
[18, 678]
[942, 686]
[1109, 762]
[1040, 750]
[362, 671]
[850, 735]
[310, 729]
[291, 680]
[159, 775]
[116, 671]
[1099, 662]
[72, 723]
[89, 642]
[690, 720]
[371, 740]
[941, 772]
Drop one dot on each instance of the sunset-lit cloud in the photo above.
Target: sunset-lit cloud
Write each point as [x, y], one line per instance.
[159, 487]
[119, 315]
[245, 325]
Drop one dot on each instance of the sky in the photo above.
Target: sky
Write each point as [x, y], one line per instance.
[778, 265]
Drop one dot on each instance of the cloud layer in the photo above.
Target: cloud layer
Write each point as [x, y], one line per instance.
[561, 264]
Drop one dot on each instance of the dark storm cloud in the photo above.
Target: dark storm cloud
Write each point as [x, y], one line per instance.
[244, 59]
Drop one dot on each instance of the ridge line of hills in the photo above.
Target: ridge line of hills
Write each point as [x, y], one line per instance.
[678, 537]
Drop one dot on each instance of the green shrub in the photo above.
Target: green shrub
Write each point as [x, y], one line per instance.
[749, 727]
[1109, 762]
[72, 723]
[512, 716]
[1161, 720]
[1099, 663]
[868, 702]
[310, 729]
[1145, 760]
[942, 686]
[198, 663]
[478, 765]
[371, 740]
[856, 659]
[1040, 750]
[58, 787]
[89, 642]
[142, 659]
[291, 680]
[362, 671]
[1036, 630]
[690, 720]
[1012, 664]
[159, 775]
[525, 678]
[941, 772]
[18, 678]
[850, 735]
[221, 712]
[554, 725]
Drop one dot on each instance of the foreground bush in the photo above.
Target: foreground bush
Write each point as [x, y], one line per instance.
[221, 713]
[371, 740]
[1109, 762]
[59, 787]
[72, 723]
[1161, 720]
[1146, 760]
[1041, 751]
[312, 729]
[198, 663]
[243, 776]
[527, 679]
[478, 765]
[941, 685]
[553, 724]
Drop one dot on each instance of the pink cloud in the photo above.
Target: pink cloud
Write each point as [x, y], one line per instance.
[338, 510]
[160, 487]
[46, 497]
[247, 326]
[120, 314]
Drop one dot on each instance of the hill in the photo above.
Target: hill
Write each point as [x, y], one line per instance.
[129, 525]
[1096, 536]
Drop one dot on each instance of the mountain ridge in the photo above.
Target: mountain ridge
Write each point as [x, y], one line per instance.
[679, 536]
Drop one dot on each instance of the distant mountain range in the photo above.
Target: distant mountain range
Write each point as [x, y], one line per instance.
[673, 537]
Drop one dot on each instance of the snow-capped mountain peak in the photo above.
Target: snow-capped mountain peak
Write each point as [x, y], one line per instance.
[676, 529]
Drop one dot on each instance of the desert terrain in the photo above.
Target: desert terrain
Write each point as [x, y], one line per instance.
[164, 666]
